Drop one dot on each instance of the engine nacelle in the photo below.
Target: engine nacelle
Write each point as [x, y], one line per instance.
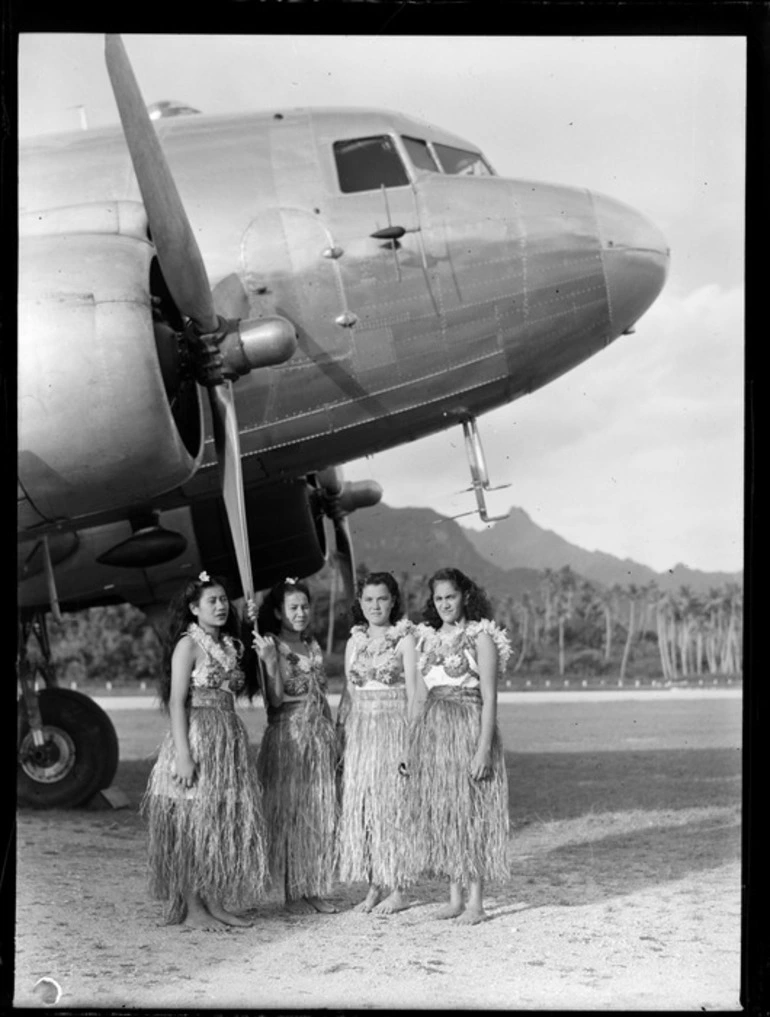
[96, 428]
[286, 533]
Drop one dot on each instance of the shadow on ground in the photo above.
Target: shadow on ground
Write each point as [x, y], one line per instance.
[565, 785]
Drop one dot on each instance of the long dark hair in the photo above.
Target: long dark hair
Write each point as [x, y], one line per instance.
[476, 604]
[180, 616]
[266, 619]
[377, 579]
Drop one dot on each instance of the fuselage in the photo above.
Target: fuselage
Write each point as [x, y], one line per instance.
[494, 288]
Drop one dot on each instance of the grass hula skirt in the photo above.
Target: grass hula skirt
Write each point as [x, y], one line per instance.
[208, 839]
[373, 832]
[296, 766]
[459, 826]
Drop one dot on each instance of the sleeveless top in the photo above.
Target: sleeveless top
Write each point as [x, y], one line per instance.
[219, 666]
[450, 658]
[375, 663]
[298, 671]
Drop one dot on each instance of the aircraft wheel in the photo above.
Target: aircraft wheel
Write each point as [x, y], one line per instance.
[79, 757]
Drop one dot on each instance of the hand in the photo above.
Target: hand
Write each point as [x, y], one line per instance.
[183, 771]
[266, 650]
[251, 610]
[481, 765]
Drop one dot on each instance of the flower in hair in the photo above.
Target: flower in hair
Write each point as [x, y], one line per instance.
[292, 580]
[204, 577]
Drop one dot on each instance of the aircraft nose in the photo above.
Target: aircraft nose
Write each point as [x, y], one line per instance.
[635, 257]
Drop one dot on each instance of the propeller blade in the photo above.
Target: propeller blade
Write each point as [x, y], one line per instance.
[228, 447]
[178, 252]
[344, 557]
[230, 298]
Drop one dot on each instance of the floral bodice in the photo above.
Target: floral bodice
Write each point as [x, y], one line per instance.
[219, 666]
[450, 658]
[299, 671]
[376, 663]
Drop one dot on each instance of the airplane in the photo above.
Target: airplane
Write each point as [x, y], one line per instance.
[217, 312]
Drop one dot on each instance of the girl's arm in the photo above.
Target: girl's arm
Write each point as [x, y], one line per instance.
[409, 659]
[486, 652]
[182, 663]
[267, 650]
[344, 708]
[418, 700]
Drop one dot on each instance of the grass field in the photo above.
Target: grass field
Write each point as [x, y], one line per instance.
[564, 759]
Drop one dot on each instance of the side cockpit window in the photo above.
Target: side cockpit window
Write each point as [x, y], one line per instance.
[460, 162]
[367, 164]
[420, 154]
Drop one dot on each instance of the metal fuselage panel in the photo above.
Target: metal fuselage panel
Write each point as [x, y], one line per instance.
[497, 287]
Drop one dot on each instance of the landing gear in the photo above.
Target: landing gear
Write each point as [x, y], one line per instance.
[479, 477]
[67, 745]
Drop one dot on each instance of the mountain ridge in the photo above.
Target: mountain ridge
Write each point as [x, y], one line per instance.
[518, 539]
[507, 558]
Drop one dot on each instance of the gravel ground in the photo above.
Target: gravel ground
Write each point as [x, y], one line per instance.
[625, 894]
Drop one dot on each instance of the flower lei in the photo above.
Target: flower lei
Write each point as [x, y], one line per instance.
[224, 652]
[393, 636]
[429, 639]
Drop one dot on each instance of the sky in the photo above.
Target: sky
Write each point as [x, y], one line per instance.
[638, 452]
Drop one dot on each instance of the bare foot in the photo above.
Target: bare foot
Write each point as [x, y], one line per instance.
[325, 907]
[395, 902]
[472, 916]
[369, 901]
[198, 917]
[228, 918]
[449, 911]
[300, 907]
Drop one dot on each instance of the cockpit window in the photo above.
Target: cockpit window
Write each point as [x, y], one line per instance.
[420, 154]
[460, 162]
[366, 164]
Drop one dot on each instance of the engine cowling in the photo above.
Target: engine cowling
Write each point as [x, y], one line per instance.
[286, 533]
[96, 426]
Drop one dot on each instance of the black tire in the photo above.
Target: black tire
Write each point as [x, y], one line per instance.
[85, 755]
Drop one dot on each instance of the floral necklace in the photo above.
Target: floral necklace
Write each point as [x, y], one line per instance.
[389, 638]
[223, 650]
[451, 634]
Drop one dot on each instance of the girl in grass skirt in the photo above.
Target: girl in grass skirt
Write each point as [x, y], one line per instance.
[380, 672]
[458, 788]
[203, 801]
[297, 756]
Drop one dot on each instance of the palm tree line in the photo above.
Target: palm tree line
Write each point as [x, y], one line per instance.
[598, 628]
[566, 625]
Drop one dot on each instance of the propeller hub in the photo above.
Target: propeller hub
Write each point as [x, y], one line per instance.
[258, 342]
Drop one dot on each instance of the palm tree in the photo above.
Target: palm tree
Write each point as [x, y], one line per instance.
[523, 612]
[649, 596]
[566, 583]
[632, 593]
[685, 609]
[607, 601]
[730, 659]
[548, 589]
[663, 614]
[714, 614]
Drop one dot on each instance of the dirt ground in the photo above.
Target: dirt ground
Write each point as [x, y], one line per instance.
[598, 914]
[624, 895]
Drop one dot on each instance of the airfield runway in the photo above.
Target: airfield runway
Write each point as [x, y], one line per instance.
[624, 891]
